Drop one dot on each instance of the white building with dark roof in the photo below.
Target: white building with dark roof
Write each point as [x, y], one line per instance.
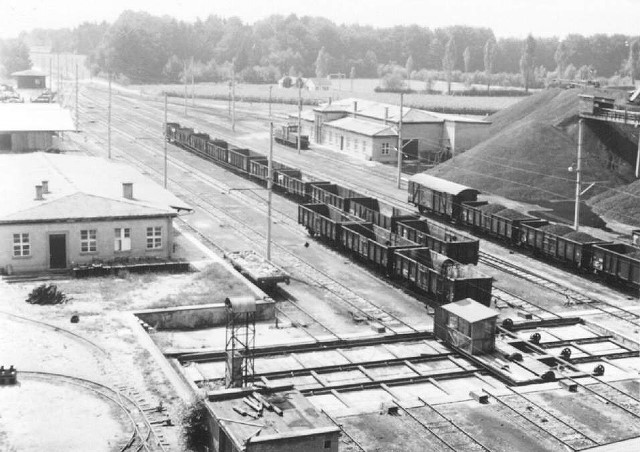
[60, 211]
[423, 132]
[32, 127]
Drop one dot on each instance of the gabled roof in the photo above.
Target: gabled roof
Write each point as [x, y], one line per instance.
[80, 188]
[29, 72]
[32, 117]
[470, 310]
[362, 127]
[320, 81]
[439, 184]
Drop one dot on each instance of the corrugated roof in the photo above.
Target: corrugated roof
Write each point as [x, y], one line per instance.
[80, 187]
[362, 127]
[440, 184]
[29, 72]
[32, 117]
[470, 310]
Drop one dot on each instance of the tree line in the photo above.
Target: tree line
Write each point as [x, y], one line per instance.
[147, 48]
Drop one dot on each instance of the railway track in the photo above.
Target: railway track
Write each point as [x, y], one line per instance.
[143, 436]
[502, 296]
[573, 296]
[357, 305]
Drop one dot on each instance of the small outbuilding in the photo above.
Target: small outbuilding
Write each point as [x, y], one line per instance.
[32, 127]
[467, 325]
[30, 79]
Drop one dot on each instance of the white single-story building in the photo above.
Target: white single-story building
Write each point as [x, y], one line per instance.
[32, 127]
[60, 211]
[318, 84]
[424, 133]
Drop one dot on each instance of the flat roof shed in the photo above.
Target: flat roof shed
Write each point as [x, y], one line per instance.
[30, 79]
[467, 325]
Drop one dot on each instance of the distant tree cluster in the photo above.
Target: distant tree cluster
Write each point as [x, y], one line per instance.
[148, 48]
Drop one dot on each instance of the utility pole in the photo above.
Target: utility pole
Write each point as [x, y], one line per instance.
[184, 72]
[400, 147]
[271, 87]
[299, 112]
[109, 120]
[50, 73]
[270, 190]
[59, 79]
[638, 159]
[193, 86]
[233, 97]
[576, 218]
[165, 139]
[77, 110]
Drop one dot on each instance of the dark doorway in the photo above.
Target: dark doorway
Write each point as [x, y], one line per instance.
[341, 142]
[5, 141]
[410, 149]
[57, 251]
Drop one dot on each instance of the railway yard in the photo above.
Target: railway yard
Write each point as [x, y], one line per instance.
[355, 341]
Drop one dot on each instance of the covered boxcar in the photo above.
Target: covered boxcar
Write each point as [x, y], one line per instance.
[432, 194]
[323, 221]
[374, 244]
[335, 195]
[440, 277]
[617, 261]
[453, 244]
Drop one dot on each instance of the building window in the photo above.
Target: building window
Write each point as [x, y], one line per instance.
[385, 148]
[364, 146]
[21, 245]
[327, 444]
[355, 144]
[88, 242]
[122, 239]
[154, 238]
[348, 142]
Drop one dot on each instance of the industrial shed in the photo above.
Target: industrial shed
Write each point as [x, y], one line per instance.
[425, 134]
[467, 325]
[32, 127]
[371, 140]
[62, 211]
[30, 79]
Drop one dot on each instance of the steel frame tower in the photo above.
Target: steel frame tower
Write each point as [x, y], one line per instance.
[240, 341]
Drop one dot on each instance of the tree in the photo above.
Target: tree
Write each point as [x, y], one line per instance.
[527, 61]
[14, 56]
[449, 60]
[632, 64]
[466, 56]
[584, 73]
[561, 57]
[409, 68]
[322, 64]
[490, 49]
[570, 72]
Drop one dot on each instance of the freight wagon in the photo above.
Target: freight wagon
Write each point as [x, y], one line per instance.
[323, 221]
[617, 262]
[380, 214]
[288, 135]
[263, 273]
[336, 196]
[441, 278]
[453, 244]
[432, 194]
[241, 159]
[373, 244]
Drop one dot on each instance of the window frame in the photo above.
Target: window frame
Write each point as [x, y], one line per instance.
[22, 246]
[122, 237]
[90, 242]
[386, 149]
[154, 238]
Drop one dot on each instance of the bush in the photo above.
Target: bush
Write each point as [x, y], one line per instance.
[47, 294]
[195, 426]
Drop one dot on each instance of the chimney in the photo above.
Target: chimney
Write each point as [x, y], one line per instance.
[386, 115]
[45, 187]
[127, 190]
[355, 108]
[39, 196]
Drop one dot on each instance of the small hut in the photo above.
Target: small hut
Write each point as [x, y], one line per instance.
[467, 325]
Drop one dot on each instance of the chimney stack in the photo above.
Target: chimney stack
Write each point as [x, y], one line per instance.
[355, 108]
[386, 115]
[127, 190]
[45, 187]
[39, 196]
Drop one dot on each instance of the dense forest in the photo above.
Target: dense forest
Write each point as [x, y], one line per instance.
[147, 48]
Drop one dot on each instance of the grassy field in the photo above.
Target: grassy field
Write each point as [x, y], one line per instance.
[341, 89]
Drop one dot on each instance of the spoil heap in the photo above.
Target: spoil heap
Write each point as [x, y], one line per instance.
[531, 146]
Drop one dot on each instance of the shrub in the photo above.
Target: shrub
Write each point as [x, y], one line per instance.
[195, 426]
[47, 294]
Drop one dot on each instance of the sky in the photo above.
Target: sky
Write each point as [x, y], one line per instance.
[507, 18]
